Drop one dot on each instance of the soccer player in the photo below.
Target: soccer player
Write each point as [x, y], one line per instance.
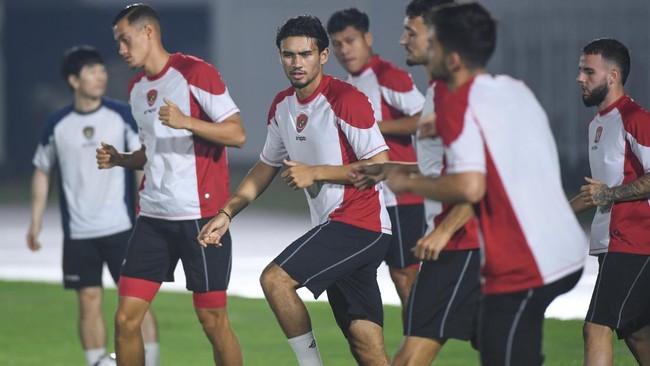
[619, 155]
[186, 118]
[319, 128]
[491, 127]
[96, 206]
[397, 104]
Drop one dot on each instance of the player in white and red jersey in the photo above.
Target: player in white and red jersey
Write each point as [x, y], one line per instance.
[444, 300]
[619, 156]
[186, 119]
[491, 126]
[397, 104]
[319, 128]
[96, 206]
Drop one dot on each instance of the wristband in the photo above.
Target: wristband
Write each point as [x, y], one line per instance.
[225, 213]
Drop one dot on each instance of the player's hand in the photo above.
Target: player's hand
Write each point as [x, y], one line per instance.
[32, 237]
[107, 156]
[367, 175]
[298, 175]
[595, 193]
[427, 127]
[212, 232]
[428, 248]
[171, 116]
[398, 181]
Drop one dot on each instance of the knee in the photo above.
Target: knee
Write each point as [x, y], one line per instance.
[126, 323]
[592, 332]
[272, 276]
[213, 321]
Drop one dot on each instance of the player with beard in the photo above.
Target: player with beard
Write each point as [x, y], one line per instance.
[619, 157]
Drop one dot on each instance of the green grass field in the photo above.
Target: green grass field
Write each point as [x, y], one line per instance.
[38, 327]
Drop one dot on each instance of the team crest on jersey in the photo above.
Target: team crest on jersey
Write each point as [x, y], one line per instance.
[599, 131]
[89, 132]
[301, 122]
[151, 96]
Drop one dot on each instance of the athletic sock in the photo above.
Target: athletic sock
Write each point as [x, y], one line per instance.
[93, 355]
[151, 354]
[306, 350]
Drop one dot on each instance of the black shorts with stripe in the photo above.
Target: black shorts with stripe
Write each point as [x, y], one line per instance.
[83, 259]
[408, 226]
[156, 246]
[341, 259]
[621, 297]
[445, 297]
[510, 324]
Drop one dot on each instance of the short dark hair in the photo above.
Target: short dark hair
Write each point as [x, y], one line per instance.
[303, 25]
[136, 12]
[75, 58]
[611, 50]
[348, 18]
[418, 8]
[468, 29]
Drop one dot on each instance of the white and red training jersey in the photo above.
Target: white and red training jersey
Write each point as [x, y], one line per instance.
[334, 126]
[186, 177]
[94, 202]
[619, 153]
[495, 125]
[431, 162]
[393, 95]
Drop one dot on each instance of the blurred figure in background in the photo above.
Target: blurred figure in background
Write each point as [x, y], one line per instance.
[97, 207]
[397, 104]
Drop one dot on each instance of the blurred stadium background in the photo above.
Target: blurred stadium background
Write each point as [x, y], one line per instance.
[539, 42]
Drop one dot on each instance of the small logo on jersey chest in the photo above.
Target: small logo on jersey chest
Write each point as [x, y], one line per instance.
[599, 132]
[151, 96]
[301, 122]
[89, 132]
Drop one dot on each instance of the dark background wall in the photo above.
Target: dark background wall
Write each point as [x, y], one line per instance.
[539, 42]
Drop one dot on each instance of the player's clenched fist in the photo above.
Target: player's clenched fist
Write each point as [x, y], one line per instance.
[212, 232]
[171, 116]
[107, 156]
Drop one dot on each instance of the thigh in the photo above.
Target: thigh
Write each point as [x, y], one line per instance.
[408, 227]
[621, 299]
[357, 297]
[206, 268]
[113, 250]
[445, 297]
[331, 252]
[82, 263]
[151, 254]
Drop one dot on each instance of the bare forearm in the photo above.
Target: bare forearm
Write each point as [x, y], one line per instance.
[251, 187]
[452, 188]
[40, 189]
[340, 174]
[228, 133]
[457, 217]
[404, 126]
[135, 160]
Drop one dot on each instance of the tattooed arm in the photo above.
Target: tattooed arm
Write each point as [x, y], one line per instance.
[597, 193]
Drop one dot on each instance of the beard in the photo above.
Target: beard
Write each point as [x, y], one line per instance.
[596, 96]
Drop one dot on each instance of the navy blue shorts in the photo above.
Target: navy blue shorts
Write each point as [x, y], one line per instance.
[621, 297]
[156, 246]
[510, 324]
[83, 259]
[445, 297]
[341, 259]
[408, 227]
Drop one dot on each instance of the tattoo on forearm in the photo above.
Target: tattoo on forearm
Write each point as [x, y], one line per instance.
[638, 189]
